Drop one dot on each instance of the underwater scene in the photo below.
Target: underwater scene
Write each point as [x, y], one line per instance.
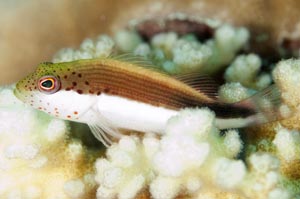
[169, 107]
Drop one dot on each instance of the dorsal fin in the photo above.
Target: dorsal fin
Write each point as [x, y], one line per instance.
[135, 59]
[202, 83]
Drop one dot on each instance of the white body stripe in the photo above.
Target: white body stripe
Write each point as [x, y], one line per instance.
[129, 114]
[120, 112]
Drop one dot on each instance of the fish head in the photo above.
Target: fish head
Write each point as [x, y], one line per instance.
[48, 89]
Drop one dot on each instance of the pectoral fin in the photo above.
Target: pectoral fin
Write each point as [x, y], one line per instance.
[103, 129]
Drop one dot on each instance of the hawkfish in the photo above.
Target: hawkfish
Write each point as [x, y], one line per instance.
[112, 94]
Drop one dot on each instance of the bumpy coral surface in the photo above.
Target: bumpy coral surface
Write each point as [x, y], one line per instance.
[37, 157]
[191, 158]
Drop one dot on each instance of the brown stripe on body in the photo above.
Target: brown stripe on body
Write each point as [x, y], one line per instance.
[141, 84]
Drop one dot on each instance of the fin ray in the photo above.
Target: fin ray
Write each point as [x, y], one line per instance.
[200, 82]
[103, 129]
[266, 103]
[140, 61]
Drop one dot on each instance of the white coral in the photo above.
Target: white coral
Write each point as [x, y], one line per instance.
[101, 47]
[226, 43]
[189, 156]
[190, 55]
[126, 41]
[126, 170]
[287, 144]
[33, 146]
[286, 75]
[263, 179]
[232, 143]
[244, 69]
[233, 92]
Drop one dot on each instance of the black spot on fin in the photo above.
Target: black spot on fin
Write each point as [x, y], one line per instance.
[202, 83]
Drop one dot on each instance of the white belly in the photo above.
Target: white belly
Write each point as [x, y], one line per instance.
[129, 114]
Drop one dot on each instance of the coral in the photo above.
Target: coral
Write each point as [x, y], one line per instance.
[126, 170]
[244, 69]
[287, 144]
[36, 155]
[234, 92]
[187, 54]
[189, 158]
[286, 75]
[226, 43]
[127, 41]
[103, 46]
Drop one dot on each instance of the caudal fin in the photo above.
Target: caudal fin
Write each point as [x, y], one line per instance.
[268, 106]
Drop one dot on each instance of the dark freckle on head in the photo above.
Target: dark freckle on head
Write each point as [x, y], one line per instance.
[67, 89]
[75, 112]
[79, 91]
[87, 83]
[68, 69]
[91, 92]
[65, 76]
[54, 71]
[74, 83]
[79, 75]
[73, 73]
[99, 93]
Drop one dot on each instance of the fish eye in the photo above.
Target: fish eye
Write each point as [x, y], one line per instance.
[49, 84]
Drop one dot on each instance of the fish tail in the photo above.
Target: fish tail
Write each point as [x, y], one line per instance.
[267, 106]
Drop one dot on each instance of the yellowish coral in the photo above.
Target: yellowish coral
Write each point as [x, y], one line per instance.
[37, 159]
[190, 158]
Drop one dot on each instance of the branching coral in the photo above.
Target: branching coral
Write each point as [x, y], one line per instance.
[186, 54]
[190, 158]
[101, 47]
[244, 69]
[37, 154]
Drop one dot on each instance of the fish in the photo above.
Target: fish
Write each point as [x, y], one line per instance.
[127, 93]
